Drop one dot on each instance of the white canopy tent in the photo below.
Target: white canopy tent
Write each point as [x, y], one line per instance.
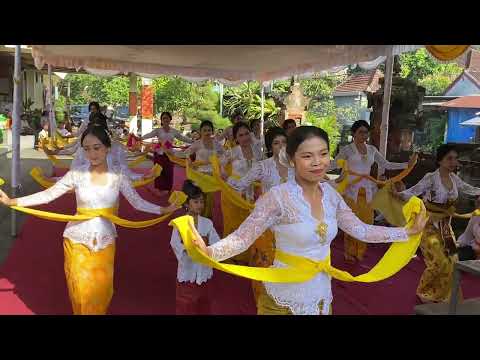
[228, 64]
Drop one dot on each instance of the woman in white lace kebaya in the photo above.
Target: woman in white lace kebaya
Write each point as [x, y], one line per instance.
[203, 149]
[241, 158]
[192, 291]
[360, 157]
[440, 190]
[166, 136]
[89, 246]
[269, 172]
[304, 215]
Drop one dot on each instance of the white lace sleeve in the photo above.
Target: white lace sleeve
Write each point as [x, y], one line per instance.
[213, 237]
[219, 149]
[267, 213]
[177, 245]
[419, 189]
[150, 135]
[342, 155]
[62, 186]
[134, 199]
[385, 164]
[353, 226]
[465, 188]
[179, 136]
[192, 149]
[226, 158]
[255, 173]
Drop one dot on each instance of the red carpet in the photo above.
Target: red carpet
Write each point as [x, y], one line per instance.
[32, 278]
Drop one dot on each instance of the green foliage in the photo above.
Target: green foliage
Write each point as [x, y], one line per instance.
[329, 124]
[172, 94]
[435, 84]
[247, 99]
[423, 69]
[106, 90]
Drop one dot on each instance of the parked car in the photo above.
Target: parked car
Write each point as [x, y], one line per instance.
[78, 113]
[120, 115]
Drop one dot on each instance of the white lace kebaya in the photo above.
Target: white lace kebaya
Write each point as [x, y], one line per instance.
[285, 211]
[362, 164]
[96, 233]
[188, 270]
[432, 189]
[164, 136]
[240, 165]
[266, 172]
[202, 153]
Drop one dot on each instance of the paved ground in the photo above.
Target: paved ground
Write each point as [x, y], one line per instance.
[29, 159]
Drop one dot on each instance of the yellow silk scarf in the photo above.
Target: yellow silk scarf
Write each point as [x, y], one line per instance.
[302, 269]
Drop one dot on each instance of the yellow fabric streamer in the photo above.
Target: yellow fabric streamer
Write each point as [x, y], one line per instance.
[37, 174]
[302, 269]
[206, 182]
[178, 198]
[87, 214]
[446, 52]
[345, 182]
[227, 191]
[137, 161]
[391, 208]
[2, 181]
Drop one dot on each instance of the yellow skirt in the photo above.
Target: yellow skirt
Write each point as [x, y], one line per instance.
[233, 216]
[209, 201]
[262, 254]
[355, 249]
[267, 306]
[436, 281]
[89, 277]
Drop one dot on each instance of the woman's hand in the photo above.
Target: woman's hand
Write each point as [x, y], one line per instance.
[5, 200]
[198, 240]
[171, 208]
[420, 222]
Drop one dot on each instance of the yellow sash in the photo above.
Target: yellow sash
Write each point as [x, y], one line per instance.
[87, 214]
[345, 183]
[391, 208]
[302, 269]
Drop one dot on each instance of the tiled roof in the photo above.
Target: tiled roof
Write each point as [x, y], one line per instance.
[467, 102]
[361, 82]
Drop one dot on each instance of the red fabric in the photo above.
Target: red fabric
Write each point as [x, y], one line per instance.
[192, 299]
[165, 180]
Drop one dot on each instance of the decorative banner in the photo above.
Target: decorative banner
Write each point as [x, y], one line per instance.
[147, 102]
[132, 104]
[446, 52]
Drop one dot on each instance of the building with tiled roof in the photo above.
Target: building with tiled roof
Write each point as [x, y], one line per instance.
[352, 94]
[468, 82]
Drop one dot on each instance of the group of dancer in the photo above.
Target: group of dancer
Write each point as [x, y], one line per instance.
[297, 210]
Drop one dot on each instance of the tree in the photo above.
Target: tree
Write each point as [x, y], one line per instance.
[246, 99]
[329, 124]
[420, 67]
